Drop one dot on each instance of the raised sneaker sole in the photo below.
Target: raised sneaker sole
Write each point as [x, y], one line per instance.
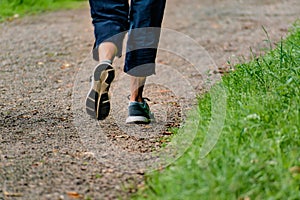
[97, 100]
[137, 120]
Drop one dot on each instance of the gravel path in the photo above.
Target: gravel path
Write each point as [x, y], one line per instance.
[49, 149]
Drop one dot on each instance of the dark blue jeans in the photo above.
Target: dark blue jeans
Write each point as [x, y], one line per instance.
[112, 19]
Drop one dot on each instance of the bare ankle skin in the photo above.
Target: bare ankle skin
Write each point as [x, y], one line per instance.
[137, 88]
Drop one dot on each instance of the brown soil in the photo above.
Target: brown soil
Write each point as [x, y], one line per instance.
[46, 143]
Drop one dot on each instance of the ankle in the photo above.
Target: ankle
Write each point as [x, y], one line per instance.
[107, 61]
[136, 99]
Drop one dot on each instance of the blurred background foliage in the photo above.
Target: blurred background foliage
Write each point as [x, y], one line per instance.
[11, 9]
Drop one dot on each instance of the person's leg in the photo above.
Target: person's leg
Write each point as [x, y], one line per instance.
[107, 52]
[143, 36]
[110, 20]
[137, 88]
[145, 22]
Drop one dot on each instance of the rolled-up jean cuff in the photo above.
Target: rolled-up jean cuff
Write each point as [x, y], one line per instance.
[140, 62]
[141, 70]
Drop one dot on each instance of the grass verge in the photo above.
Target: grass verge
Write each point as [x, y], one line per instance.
[258, 152]
[10, 9]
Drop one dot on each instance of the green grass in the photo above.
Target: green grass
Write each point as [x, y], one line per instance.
[12, 8]
[258, 153]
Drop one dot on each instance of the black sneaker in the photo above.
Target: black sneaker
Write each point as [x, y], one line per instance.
[97, 101]
[139, 113]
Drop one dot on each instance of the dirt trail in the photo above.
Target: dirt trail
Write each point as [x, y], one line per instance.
[42, 152]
